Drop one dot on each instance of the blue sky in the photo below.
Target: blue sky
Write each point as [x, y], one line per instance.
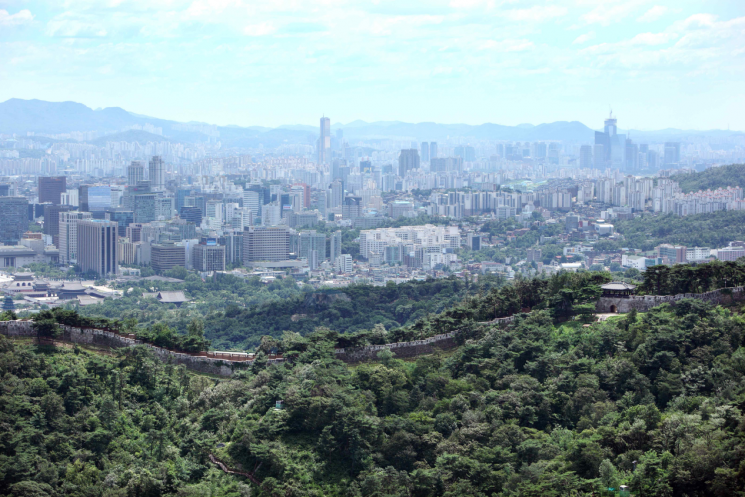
[658, 63]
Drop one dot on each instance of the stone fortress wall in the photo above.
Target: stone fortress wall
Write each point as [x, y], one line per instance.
[220, 363]
[225, 363]
[646, 302]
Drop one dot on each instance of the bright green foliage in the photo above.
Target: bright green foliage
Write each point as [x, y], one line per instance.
[530, 410]
[685, 278]
[712, 178]
[713, 229]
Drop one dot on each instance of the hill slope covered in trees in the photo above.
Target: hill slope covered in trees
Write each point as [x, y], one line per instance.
[532, 410]
[712, 178]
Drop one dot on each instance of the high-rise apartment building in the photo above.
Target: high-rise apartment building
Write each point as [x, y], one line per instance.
[336, 193]
[408, 161]
[135, 173]
[324, 141]
[68, 235]
[335, 245]
[51, 188]
[13, 220]
[97, 246]
[262, 243]
[157, 173]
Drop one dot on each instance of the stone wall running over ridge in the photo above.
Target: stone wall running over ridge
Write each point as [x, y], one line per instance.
[646, 302]
[109, 339]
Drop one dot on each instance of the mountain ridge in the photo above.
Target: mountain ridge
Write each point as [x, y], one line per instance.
[39, 116]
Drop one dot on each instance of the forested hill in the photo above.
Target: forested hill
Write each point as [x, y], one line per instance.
[712, 230]
[653, 401]
[712, 178]
[350, 309]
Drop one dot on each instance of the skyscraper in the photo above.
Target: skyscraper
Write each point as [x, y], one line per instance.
[97, 245]
[14, 219]
[585, 156]
[324, 141]
[157, 173]
[432, 150]
[51, 187]
[425, 151]
[407, 161]
[335, 245]
[68, 235]
[135, 173]
[672, 153]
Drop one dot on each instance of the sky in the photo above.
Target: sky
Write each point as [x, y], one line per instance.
[657, 63]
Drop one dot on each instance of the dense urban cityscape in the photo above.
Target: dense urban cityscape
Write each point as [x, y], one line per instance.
[455, 248]
[342, 212]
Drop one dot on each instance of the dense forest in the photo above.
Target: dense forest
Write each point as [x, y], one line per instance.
[713, 230]
[652, 400]
[712, 178]
[353, 308]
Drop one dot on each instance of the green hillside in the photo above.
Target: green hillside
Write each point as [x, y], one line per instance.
[712, 178]
[652, 401]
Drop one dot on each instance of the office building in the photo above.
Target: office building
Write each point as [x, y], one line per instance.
[68, 235]
[675, 254]
[144, 208]
[209, 256]
[191, 214]
[672, 153]
[51, 188]
[97, 246]
[324, 141]
[51, 220]
[165, 256]
[262, 243]
[585, 157]
[157, 173]
[474, 241]
[310, 241]
[425, 152]
[351, 208]
[343, 264]
[14, 219]
[94, 198]
[432, 150]
[5, 190]
[135, 173]
[408, 161]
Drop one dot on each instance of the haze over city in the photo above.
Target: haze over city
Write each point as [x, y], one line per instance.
[461, 61]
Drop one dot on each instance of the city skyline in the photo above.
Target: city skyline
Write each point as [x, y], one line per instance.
[462, 61]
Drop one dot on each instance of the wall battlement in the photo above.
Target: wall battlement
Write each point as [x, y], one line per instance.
[646, 302]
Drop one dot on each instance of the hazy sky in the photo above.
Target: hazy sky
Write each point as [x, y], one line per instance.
[659, 63]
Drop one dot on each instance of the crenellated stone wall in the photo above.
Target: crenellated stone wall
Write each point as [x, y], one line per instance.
[647, 302]
[108, 339]
[400, 349]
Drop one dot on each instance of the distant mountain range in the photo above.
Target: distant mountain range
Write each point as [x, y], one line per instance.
[22, 116]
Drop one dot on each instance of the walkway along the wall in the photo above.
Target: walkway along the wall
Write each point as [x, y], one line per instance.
[217, 363]
[225, 363]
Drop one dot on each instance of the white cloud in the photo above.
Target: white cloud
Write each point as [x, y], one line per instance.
[508, 45]
[75, 28]
[610, 11]
[261, 29]
[652, 38]
[653, 14]
[536, 13]
[22, 17]
[584, 38]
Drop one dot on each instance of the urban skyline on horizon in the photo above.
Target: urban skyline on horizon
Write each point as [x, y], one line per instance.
[450, 61]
